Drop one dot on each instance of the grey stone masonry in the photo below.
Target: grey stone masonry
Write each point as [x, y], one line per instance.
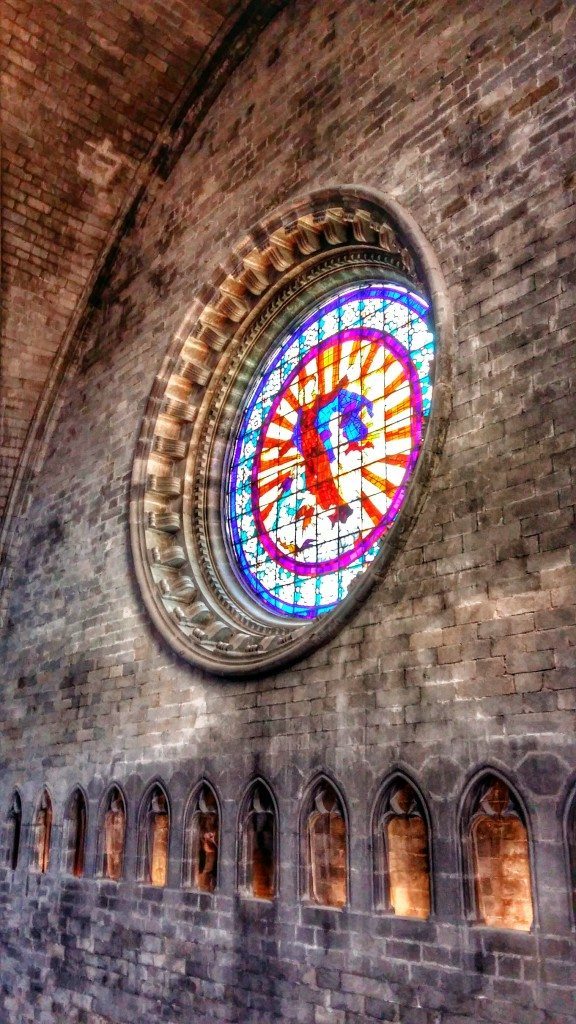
[463, 657]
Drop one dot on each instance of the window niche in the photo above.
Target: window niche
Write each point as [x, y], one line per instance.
[42, 833]
[154, 837]
[570, 833]
[74, 840]
[13, 832]
[402, 851]
[325, 842]
[497, 870]
[113, 836]
[258, 854]
[306, 335]
[201, 841]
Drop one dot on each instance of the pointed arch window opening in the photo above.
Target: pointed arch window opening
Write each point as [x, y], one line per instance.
[113, 836]
[326, 849]
[402, 845]
[499, 858]
[75, 835]
[258, 845]
[13, 832]
[201, 842]
[155, 838]
[42, 833]
[570, 834]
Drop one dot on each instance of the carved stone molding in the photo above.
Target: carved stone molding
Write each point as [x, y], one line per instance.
[179, 552]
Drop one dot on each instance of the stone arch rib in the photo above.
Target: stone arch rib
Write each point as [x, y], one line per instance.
[226, 51]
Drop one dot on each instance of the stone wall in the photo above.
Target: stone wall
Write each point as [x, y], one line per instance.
[464, 655]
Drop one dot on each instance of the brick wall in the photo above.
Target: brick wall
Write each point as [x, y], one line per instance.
[464, 655]
[87, 88]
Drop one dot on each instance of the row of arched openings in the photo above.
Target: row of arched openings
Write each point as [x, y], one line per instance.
[495, 846]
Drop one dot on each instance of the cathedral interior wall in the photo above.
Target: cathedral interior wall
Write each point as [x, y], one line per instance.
[459, 662]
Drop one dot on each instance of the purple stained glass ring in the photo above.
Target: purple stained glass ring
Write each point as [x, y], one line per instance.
[329, 436]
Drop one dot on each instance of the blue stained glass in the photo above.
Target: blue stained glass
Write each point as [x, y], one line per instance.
[330, 433]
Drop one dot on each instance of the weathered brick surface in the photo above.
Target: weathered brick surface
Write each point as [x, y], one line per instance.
[86, 87]
[463, 656]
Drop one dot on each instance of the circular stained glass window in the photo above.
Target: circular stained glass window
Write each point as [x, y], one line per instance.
[289, 431]
[329, 435]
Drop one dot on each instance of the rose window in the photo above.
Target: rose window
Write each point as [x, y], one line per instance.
[329, 436]
[289, 433]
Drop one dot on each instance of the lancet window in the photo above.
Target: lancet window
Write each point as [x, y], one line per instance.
[326, 847]
[13, 832]
[113, 835]
[258, 844]
[201, 841]
[402, 849]
[498, 858]
[42, 833]
[75, 834]
[571, 843]
[154, 837]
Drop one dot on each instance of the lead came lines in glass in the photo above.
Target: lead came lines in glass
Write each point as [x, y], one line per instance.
[329, 437]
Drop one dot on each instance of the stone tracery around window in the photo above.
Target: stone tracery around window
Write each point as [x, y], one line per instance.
[258, 843]
[112, 836]
[325, 847]
[496, 845]
[42, 833]
[154, 837]
[13, 832]
[402, 851]
[497, 872]
[74, 837]
[201, 841]
[287, 432]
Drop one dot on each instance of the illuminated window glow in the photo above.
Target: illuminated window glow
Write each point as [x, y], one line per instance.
[329, 437]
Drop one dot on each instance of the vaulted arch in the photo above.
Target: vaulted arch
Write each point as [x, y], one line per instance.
[92, 169]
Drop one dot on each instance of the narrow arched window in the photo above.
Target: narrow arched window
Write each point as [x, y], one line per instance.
[154, 837]
[13, 832]
[258, 853]
[75, 834]
[113, 835]
[326, 847]
[42, 833]
[201, 841]
[496, 838]
[571, 844]
[402, 849]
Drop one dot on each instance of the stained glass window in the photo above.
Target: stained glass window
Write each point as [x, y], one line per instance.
[329, 436]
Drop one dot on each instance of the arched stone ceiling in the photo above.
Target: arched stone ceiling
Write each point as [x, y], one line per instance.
[93, 94]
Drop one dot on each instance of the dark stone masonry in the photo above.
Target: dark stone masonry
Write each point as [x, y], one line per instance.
[460, 664]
